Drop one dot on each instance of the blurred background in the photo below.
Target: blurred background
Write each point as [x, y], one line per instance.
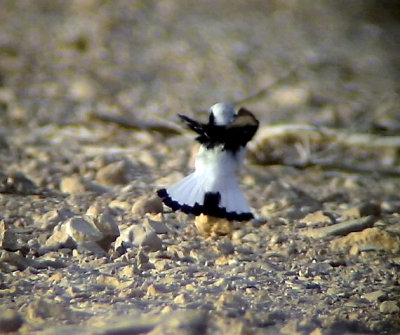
[61, 61]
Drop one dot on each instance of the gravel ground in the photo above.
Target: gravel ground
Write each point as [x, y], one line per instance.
[89, 92]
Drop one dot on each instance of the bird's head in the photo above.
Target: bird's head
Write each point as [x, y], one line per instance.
[222, 114]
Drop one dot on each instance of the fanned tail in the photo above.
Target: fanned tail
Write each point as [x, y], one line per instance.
[192, 195]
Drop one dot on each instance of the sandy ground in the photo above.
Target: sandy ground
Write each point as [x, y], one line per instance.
[89, 92]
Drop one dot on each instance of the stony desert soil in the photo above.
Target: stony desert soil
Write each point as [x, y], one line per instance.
[89, 91]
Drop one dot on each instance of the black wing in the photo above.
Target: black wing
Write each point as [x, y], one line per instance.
[241, 130]
[232, 136]
[208, 133]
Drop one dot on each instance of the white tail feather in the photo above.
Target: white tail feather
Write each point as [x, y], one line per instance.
[191, 190]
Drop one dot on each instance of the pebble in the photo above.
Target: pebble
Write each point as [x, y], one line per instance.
[278, 238]
[72, 185]
[342, 228]
[18, 183]
[389, 307]
[8, 239]
[41, 310]
[128, 271]
[15, 259]
[290, 96]
[10, 321]
[60, 238]
[225, 247]
[107, 225]
[114, 174]
[156, 289]
[318, 217]
[374, 296]
[182, 299]
[183, 322]
[120, 205]
[54, 217]
[82, 230]
[81, 89]
[147, 204]
[370, 208]
[375, 238]
[158, 226]
[231, 300]
[91, 248]
[138, 236]
[211, 226]
[251, 237]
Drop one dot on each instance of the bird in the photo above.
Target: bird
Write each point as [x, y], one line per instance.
[213, 188]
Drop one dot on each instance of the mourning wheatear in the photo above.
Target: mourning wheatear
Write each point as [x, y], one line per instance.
[213, 189]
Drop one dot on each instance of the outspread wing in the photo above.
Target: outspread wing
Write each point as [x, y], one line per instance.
[208, 133]
[241, 130]
[232, 136]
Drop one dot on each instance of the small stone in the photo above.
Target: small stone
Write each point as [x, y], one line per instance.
[317, 331]
[353, 212]
[128, 271]
[82, 231]
[333, 291]
[42, 310]
[57, 277]
[139, 236]
[156, 289]
[94, 210]
[72, 185]
[158, 226]
[225, 247]
[60, 238]
[389, 307]
[148, 159]
[231, 303]
[112, 281]
[278, 239]
[321, 268]
[221, 261]
[15, 259]
[55, 217]
[182, 299]
[8, 239]
[10, 321]
[106, 224]
[374, 237]
[114, 174]
[318, 217]
[211, 226]
[142, 258]
[81, 89]
[342, 228]
[18, 183]
[91, 248]
[251, 237]
[147, 204]
[374, 296]
[120, 205]
[183, 321]
[370, 208]
[290, 96]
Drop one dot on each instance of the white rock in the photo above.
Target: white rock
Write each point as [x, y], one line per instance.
[389, 307]
[147, 204]
[72, 185]
[82, 231]
[113, 174]
[139, 236]
[107, 225]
